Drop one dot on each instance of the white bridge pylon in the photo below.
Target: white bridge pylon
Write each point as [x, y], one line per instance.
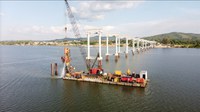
[117, 46]
[138, 45]
[99, 58]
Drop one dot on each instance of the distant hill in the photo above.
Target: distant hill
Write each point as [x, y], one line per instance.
[67, 39]
[177, 38]
[173, 38]
[95, 38]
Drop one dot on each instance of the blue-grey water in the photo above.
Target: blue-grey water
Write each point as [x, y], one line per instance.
[26, 84]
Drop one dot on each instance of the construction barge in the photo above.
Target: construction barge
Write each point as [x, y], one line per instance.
[104, 81]
[97, 74]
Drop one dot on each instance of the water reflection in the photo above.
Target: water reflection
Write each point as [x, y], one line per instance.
[133, 91]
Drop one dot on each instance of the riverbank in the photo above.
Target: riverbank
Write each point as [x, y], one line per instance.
[81, 43]
[46, 43]
[176, 46]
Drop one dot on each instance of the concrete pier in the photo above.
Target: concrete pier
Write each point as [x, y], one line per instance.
[116, 51]
[99, 63]
[100, 57]
[119, 47]
[88, 61]
[88, 58]
[54, 69]
[142, 45]
[107, 52]
[145, 47]
[107, 57]
[126, 53]
[138, 45]
[133, 45]
[88, 46]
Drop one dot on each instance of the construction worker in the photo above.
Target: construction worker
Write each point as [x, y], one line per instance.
[128, 72]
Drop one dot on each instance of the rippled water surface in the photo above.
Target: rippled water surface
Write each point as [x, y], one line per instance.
[26, 85]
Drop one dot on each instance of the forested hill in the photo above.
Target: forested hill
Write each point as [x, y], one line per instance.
[177, 38]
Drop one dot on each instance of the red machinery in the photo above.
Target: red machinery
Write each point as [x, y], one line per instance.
[139, 80]
[96, 71]
[126, 79]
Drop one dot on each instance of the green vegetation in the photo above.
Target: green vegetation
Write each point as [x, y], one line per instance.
[174, 39]
[24, 42]
[184, 40]
[84, 42]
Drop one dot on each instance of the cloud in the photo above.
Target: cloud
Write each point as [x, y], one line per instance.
[186, 23]
[190, 11]
[38, 29]
[39, 32]
[96, 10]
[34, 32]
[105, 29]
[2, 14]
[133, 29]
[149, 28]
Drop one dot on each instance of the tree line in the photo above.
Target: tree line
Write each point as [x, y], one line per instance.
[184, 42]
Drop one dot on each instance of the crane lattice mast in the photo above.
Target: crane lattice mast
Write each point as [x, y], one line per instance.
[76, 32]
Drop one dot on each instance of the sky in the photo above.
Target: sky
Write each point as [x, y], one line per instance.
[45, 20]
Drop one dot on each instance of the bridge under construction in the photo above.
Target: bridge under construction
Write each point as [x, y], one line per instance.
[138, 45]
[96, 73]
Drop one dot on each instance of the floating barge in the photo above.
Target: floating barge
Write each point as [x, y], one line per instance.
[111, 79]
[97, 75]
[96, 80]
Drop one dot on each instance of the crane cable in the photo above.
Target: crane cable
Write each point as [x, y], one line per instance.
[76, 32]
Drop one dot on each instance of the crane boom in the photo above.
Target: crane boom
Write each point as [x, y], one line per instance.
[72, 21]
[76, 32]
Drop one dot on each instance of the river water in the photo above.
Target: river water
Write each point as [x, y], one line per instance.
[26, 84]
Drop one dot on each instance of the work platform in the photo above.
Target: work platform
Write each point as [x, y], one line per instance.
[96, 80]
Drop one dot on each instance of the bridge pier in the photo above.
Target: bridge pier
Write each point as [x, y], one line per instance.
[138, 46]
[133, 45]
[100, 57]
[107, 54]
[126, 53]
[116, 51]
[142, 46]
[54, 69]
[88, 50]
[88, 61]
[147, 47]
[107, 57]
[119, 47]
[100, 63]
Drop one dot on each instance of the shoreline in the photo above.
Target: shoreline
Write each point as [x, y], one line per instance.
[77, 44]
[158, 46]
